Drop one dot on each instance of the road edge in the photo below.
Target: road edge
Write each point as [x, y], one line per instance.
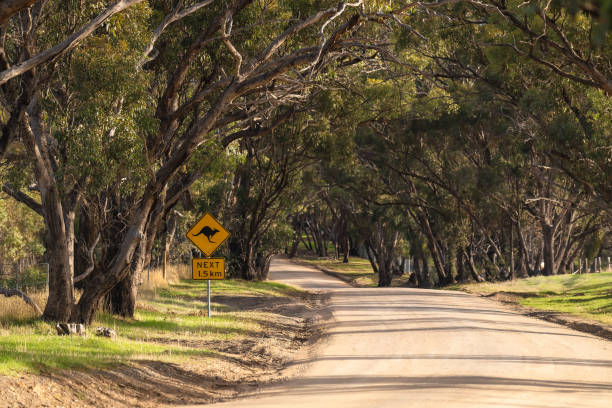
[577, 323]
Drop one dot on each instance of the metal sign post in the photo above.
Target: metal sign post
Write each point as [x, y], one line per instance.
[208, 284]
[207, 234]
[208, 269]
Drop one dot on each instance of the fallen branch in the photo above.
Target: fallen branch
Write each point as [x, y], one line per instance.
[26, 298]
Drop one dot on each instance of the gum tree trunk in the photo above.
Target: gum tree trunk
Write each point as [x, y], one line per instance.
[58, 213]
[548, 246]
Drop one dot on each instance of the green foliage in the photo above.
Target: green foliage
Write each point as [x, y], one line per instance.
[593, 245]
[463, 126]
[21, 232]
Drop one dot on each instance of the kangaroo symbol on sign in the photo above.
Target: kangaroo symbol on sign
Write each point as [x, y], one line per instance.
[208, 233]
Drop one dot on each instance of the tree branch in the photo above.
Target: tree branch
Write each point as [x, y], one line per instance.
[259, 131]
[174, 16]
[92, 262]
[23, 198]
[68, 44]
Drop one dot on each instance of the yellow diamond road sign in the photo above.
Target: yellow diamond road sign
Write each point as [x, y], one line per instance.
[207, 234]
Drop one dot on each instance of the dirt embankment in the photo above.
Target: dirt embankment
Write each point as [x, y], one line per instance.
[289, 330]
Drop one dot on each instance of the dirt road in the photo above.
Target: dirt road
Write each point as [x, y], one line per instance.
[401, 347]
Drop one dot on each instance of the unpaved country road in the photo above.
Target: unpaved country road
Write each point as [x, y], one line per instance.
[399, 347]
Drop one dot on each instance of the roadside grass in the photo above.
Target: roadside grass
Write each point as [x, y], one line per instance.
[357, 271]
[14, 308]
[302, 248]
[585, 295]
[170, 324]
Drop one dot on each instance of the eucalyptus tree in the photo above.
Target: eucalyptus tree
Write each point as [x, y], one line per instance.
[203, 86]
[268, 186]
[210, 91]
[564, 43]
[493, 147]
[465, 135]
[35, 34]
[76, 121]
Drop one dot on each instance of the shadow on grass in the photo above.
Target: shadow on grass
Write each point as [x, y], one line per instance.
[195, 304]
[30, 322]
[183, 324]
[39, 353]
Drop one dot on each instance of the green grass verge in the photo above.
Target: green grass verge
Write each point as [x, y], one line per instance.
[586, 295]
[357, 270]
[302, 248]
[166, 319]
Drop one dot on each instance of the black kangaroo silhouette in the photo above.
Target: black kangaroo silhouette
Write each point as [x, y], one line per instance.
[208, 233]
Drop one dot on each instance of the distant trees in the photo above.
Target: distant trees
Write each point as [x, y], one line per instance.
[480, 140]
[266, 187]
[473, 135]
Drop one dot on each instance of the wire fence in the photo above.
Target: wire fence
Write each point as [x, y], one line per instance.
[24, 277]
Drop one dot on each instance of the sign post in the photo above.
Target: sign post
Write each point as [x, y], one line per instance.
[208, 234]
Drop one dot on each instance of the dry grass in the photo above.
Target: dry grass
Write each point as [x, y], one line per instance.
[14, 308]
[154, 279]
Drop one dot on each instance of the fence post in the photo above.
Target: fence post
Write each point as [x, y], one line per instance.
[587, 267]
[599, 263]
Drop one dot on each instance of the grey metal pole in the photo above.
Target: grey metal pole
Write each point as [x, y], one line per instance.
[208, 285]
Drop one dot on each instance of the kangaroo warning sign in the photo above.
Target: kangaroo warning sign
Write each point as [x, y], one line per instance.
[207, 235]
[208, 268]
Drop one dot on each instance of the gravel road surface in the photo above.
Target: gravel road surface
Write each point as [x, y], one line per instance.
[400, 347]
